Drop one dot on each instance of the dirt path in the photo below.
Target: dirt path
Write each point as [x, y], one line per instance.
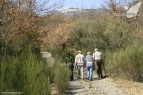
[96, 87]
[105, 86]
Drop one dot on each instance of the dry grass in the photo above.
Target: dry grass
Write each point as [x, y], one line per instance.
[130, 87]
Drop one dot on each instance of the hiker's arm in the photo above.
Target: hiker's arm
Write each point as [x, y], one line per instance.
[75, 62]
[93, 55]
[75, 65]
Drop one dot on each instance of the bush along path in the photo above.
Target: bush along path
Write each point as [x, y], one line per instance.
[96, 87]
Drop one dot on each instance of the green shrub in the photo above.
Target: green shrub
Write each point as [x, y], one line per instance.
[86, 34]
[62, 74]
[126, 63]
[24, 73]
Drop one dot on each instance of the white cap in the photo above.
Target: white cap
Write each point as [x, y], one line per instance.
[79, 51]
[96, 49]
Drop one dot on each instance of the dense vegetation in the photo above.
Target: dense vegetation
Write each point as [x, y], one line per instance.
[24, 34]
[120, 41]
[22, 68]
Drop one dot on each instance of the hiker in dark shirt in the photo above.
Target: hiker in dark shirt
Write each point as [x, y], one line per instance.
[69, 63]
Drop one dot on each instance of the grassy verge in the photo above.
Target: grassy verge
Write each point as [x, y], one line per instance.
[62, 74]
[126, 63]
[30, 75]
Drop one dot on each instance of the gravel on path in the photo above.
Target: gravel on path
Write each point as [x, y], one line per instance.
[96, 87]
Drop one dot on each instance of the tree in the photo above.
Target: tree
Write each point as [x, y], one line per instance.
[20, 22]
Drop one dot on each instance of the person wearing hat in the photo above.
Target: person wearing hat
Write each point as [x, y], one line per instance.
[90, 61]
[79, 63]
[97, 55]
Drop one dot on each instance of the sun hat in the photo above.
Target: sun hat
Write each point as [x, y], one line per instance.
[79, 51]
[96, 49]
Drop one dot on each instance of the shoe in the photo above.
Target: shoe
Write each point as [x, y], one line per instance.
[71, 79]
[102, 77]
[99, 77]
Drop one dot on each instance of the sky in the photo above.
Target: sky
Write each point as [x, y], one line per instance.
[83, 3]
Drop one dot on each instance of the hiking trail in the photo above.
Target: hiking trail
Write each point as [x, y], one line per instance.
[104, 86]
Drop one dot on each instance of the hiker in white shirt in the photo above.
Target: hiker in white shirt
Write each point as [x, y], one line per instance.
[79, 63]
[99, 61]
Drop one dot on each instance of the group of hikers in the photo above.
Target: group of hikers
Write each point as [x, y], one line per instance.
[90, 61]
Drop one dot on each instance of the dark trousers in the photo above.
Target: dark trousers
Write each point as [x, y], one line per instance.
[99, 68]
[71, 66]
